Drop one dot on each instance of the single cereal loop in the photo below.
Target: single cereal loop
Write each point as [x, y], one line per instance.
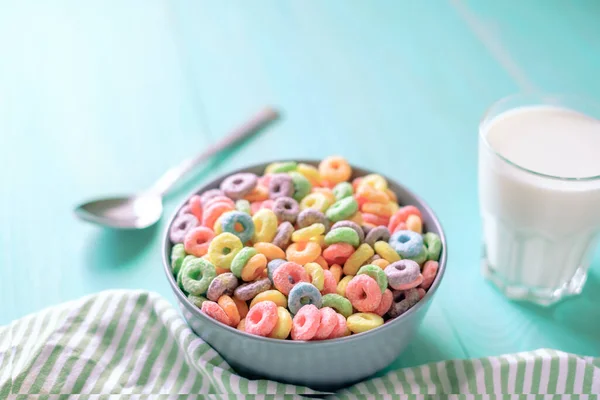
[247, 291]
[342, 235]
[242, 307]
[223, 284]
[254, 267]
[404, 275]
[335, 169]
[303, 252]
[311, 216]
[306, 323]
[262, 318]
[342, 284]
[269, 250]
[429, 272]
[377, 234]
[329, 283]
[381, 263]
[223, 248]
[197, 241]
[316, 201]
[340, 329]
[233, 218]
[406, 243]
[305, 234]
[215, 311]
[358, 258]
[286, 209]
[177, 256]
[353, 225]
[213, 212]
[327, 323]
[197, 274]
[386, 302]
[265, 225]
[301, 294]
[271, 295]
[342, 209]
[181, 226]
[411, 297]
[376, 273]
[281, 185]
[311, 173]
[433, 245]
[283, 234]
[241, 259]
[338, 253]
[316, 274]
[414, 223]
[228, 305]
[338, 303]
[195, 205]
[362, 322]
[336, 271]
[286, 276]
[364, 293]
[283, 326]
[387, 252]
[238, 185]
[375, 181]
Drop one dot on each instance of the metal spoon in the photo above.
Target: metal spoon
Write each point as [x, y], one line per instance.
[145, 209]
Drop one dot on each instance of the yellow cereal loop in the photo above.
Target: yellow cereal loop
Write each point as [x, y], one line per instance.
[362, 322]
[265, 225]
[357, 259]
[414, 223]
[270, 295]
[254, 267]
[376, 181]
[269, 250]
[336, 271]
[317, 276]
[318, 201]
[341, 286]
[305, 234]
[319, 239]
[223, 248]
[385, 251]
[311, 173]
[284, 324]
[381, 263]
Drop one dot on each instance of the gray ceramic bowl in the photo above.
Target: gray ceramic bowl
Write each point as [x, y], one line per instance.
[324, 365]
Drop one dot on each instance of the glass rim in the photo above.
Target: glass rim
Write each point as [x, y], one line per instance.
[543, 97]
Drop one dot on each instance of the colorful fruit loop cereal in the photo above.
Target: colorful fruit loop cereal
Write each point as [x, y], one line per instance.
[302, 252]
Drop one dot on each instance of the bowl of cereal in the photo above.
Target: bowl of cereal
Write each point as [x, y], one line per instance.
[315, 273]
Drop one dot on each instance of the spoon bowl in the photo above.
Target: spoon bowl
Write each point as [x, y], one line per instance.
[137, 212]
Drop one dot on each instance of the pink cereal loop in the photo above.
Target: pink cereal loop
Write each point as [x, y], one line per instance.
[329, 285]
[387, 298]
[429, 272]
[197, 241]
[282, 275]
[219, 199]
[364, 293]
[306, 323]
[262, 318]
[215, 311]
[327, 323]
[340, 329]
[195, 204]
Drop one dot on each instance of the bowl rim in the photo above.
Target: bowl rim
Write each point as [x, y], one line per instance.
[166, 247]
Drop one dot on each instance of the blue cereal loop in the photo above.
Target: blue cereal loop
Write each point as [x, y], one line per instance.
[407, 244]
[232, 218]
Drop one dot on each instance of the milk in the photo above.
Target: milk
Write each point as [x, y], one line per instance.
[539, 224]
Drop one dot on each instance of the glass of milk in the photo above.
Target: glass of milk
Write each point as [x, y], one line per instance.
[539, 193]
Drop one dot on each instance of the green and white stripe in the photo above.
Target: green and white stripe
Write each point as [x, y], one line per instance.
[136, 343]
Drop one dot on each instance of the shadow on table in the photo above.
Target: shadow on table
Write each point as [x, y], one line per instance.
[580, 314]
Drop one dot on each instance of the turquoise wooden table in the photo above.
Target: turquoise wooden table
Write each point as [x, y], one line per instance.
[102, 97]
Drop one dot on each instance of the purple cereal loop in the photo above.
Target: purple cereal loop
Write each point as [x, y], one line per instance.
[184, 210]
[411, 297]
[402, 273]
[376, 234]
[238, 185]
[311, 216]
[352, 225]
[209, 194]
[222, 284]
[283, 235]
[286, 209]
[280, 185]
[181, 226]
[248, 291]
[366, 229]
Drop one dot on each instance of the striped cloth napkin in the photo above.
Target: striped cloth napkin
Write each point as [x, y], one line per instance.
[135, 342]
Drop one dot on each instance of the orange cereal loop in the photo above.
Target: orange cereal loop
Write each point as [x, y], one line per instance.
[303, 252]
[357, 218]
[375, 220]
[228, 305]
[335, 169]
[269, 250]
[369, 194]
[220, 270]
[242, 307]
[259, 193]
[336, 271]
[414, 223]
[254, 267]
[381, 263]
[379, 209]
[321, 261]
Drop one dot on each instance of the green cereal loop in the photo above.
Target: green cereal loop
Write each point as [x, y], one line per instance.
[302, 185]
[376, 273]
[243, 205]
[421, 257]
[342, 235]
[286, 166]
[342, 209]
[241, 259]
[197, 300]
[195, 269]
[342, 190]
[177, 256]
[185, 261]
[433, 245]
[338, 303]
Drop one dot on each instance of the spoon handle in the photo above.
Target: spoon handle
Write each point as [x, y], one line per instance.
[169, 178]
